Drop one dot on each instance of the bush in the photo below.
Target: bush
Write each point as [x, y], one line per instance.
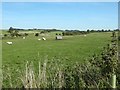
[119, 38]
[5, 35]
[37, 34]
[26, 34]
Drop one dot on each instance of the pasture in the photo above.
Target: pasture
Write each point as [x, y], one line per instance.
[73, 48]
[70, 50]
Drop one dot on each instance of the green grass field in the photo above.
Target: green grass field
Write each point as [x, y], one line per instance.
[73, 48]
[70, 50]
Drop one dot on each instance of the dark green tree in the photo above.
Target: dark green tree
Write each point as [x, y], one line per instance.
[37, 34]
[13, 32]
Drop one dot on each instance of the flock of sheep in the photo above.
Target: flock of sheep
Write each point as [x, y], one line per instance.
[10, 43]
[43, 38]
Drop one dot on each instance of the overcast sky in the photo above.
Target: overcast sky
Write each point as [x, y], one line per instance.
[60, 15]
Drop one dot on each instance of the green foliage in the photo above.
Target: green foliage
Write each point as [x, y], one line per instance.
[5, 35]
[13, 32]
[26, 34]
[73, 32]
[37, 34]
[108, 63]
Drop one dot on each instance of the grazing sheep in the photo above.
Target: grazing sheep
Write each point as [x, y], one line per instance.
[10, 43]
[43, 38]
[39, 39]
[23, 37]
[85, 35]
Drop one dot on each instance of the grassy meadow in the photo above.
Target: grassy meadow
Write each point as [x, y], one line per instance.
[73, 48]
[70, 50]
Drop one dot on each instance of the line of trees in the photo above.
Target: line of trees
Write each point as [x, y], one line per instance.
[73, 32]
[77, 32]
[50, 30]
[102, 30]
[15, 32]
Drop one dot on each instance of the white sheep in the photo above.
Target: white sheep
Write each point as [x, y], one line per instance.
[39, 39]
[10, 43]
[43, 38]
[85, 35]
[23, 37]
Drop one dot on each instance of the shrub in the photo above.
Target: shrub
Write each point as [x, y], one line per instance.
[26, 34]
[37, 34]
[5, 35]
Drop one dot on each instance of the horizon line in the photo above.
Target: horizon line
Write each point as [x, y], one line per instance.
[63, 28]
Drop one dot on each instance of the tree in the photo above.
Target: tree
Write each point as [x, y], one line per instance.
[63, 33]
[13, 32]
[102, 30]
[5, 35]
[10, 30]
[37, 34]
[88, 31]
[59, 34]
[26, 34]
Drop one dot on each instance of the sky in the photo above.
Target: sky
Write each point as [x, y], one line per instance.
[60, 0]
[60, 15]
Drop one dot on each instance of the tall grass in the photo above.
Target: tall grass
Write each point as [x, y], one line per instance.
[57, 75]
